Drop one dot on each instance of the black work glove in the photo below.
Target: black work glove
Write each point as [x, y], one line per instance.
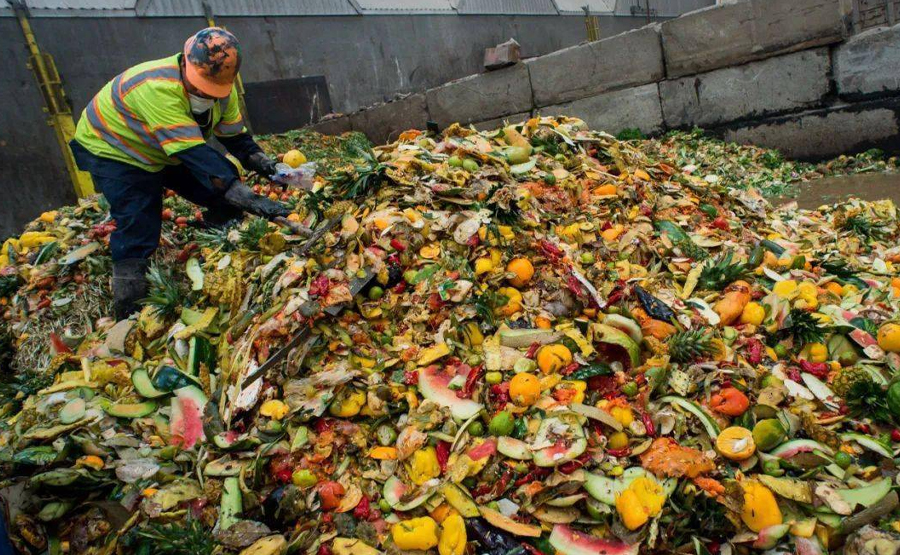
[242, 197]
[261, 164]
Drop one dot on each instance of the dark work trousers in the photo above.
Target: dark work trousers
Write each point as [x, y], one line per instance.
[135, 199]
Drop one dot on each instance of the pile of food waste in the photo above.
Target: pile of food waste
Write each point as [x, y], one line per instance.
[743, 166]
[532, 340]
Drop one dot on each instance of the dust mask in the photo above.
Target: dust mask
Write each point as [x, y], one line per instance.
[200, 104]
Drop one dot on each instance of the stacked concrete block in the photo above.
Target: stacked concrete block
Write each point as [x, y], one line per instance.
[751, 30]
[869, 63]
[481, 97]
[385, 122]
[791, 82]
[826, 132]
[637, 107]
[626, 60]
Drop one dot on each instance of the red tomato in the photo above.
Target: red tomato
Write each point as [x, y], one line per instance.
[168, 214]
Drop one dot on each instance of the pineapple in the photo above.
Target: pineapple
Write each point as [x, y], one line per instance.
[691, 249]
[165, 296]
[687, 346]
[803, 327]
[719, 273]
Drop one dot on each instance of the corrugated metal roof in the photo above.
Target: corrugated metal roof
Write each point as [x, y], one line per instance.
[507, 7]
[660, 8]
[225, 8]
[406, 6]
[595, 6]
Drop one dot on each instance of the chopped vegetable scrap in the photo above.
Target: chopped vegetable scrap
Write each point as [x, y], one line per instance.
[537, 339]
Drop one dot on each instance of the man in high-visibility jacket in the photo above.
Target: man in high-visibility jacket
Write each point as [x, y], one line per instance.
[146, 131]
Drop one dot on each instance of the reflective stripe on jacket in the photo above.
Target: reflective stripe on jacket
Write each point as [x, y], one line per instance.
[143, 117]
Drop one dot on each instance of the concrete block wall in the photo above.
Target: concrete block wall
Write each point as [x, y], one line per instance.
[780, 74]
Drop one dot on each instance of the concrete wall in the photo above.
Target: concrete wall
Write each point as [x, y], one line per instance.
[787, 75]
[365, 60]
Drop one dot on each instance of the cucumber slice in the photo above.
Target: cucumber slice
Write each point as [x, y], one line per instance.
[131, 410]
[195, 273]
[232, 503]
[142, 384]
[869, 443]
[200, 352]
[73, 411]
[712, 428]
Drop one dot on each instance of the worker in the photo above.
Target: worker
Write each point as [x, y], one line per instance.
[146, 131]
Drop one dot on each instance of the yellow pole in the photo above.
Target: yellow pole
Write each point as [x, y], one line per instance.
[238, 82]
[55, 102]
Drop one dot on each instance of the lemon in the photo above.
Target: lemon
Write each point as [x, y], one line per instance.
[294, 158]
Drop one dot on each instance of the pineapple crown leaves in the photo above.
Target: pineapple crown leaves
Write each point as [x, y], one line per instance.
[253, 234]
[718, 273]
[165, 294]
[803, 327]
[171, 539]
[865, 227]
[690, 345]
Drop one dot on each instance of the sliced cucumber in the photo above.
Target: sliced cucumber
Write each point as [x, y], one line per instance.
[232, 503]
[712, 428]
[131, 410]
[142, 384]
[869, 443]
[73, 411]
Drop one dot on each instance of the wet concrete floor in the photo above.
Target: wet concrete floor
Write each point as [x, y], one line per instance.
[867, 186]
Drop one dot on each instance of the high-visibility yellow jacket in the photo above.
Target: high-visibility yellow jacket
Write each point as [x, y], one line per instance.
[143, 117]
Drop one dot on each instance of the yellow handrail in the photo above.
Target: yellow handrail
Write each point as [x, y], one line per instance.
[55, 102]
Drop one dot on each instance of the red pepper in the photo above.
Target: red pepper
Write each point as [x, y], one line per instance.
[648, 423]
[623, 452]
[400, 287]
[569, 369]
[864, 428]
[532, 350]
[572, 466]
[363, 510]
[397, 245]
[551, 251]
[57, 344]
[473, 241]
[794, 374]
[472, 380]
[535, 474]
[720, 223]
[442, 450]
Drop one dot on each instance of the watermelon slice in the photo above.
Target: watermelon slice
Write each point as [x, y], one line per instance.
[567, 541]
[559, 440]
[434, 385]
[186, 422]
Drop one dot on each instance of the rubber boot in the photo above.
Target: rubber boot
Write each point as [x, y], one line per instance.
[129, 285]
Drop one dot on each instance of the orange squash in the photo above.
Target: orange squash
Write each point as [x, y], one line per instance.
[731, 305]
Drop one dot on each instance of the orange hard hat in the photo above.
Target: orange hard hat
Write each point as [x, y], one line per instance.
[212, 58]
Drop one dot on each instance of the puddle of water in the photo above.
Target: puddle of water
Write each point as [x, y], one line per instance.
[828, 190]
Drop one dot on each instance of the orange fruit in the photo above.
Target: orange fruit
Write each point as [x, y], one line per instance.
[524, 389]
[553, 358]
[522, 271]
